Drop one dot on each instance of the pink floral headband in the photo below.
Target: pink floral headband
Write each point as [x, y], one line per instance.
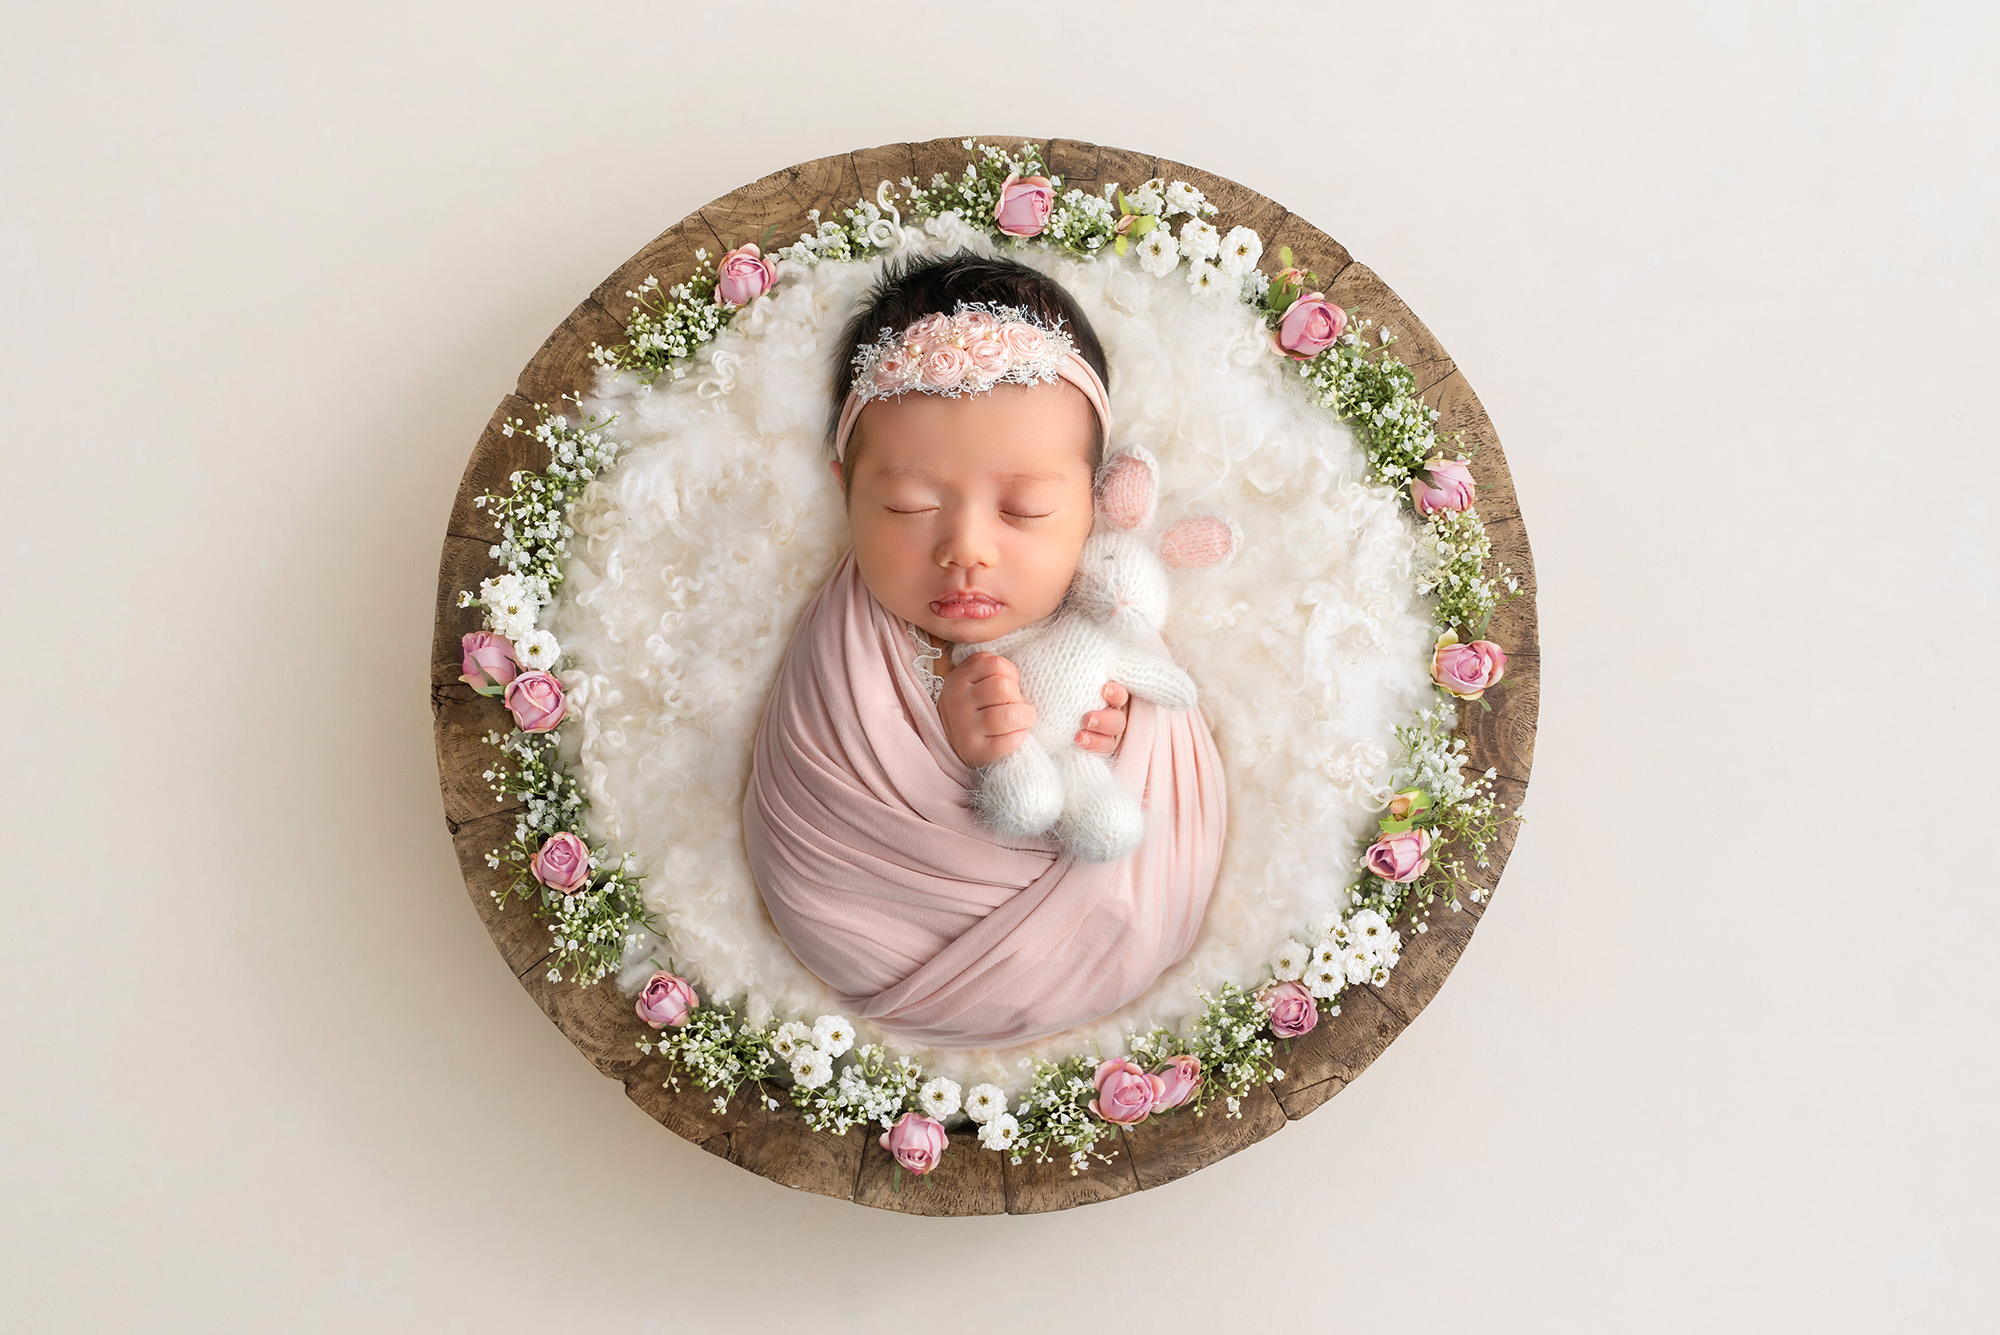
[968, 352]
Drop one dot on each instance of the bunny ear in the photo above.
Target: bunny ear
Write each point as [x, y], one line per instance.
[1125, 488]
[1196, 544]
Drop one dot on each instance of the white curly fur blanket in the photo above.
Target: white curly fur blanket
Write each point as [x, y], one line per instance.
[695, 555]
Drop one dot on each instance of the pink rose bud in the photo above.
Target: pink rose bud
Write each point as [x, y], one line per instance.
[744, 275]
[1399, 857]
[1466, 670]
[915, 1142]
[1309, 327]
[1125, 1093]
[666, 1000]
[1179, 1079]
[562, 863]
[945, 365]
[486, 659]
[1291, 1008]
[536, 701]
[1409, 802]
[1024, 205]
[1026, 342]
[1441, 484]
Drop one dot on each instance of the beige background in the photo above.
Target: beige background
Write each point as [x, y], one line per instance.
[1721, 1056]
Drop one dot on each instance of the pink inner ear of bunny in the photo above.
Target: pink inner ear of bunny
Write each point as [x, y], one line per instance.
[1196, 544]
[1126, 493]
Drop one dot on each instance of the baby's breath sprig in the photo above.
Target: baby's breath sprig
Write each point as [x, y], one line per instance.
[1055, 1116]
[717, 1049]
[1232, 1038]
[872, 1087]
[1464, 817]
[533, 514]
[668, 325]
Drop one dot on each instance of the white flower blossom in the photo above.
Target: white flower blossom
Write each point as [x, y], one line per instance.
[1360, 963]
[1183, 198]
[1200, 240]
[1326, 980]
[812, 1067]
[1204, 277]
[537, 651]
[791, 1036]
[1289, 961]
[1145, 199]
[1241, 250]
[998, 1132]
[1368, 928]
[983, 1103]
[938, 1098]
[834, 1034]
[1158, 253]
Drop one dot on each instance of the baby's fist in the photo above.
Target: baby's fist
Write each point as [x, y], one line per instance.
[985, 716]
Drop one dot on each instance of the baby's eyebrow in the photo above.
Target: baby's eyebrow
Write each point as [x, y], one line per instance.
[924, 473]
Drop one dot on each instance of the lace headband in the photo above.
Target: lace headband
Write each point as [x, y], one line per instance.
[970, 351]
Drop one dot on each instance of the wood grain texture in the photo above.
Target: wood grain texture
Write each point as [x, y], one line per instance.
[777, 1145]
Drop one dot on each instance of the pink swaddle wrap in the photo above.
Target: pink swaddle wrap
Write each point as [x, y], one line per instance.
[861, 835]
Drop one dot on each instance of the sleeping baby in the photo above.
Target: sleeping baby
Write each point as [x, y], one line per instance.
[969, 439]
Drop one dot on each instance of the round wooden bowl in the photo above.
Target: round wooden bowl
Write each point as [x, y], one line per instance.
[777, 1145]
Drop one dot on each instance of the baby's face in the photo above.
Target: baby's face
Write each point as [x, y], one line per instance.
[969, 513]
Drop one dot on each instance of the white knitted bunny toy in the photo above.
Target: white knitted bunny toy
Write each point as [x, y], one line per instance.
[1119, 593]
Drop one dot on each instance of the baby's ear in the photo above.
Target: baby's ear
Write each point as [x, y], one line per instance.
[1125, 488]
[1201, 542]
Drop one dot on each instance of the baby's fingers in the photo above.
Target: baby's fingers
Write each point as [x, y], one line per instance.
[1116, 695]
[1101, 730]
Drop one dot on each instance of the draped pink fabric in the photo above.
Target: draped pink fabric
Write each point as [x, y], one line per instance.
[861, 835]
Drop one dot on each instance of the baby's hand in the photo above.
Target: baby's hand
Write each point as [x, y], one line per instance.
[1103, 727]
[985, 716]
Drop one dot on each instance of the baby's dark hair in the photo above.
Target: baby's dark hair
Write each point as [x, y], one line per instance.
[909, 290]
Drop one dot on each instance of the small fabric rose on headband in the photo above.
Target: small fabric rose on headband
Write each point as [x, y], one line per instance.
[945, 365]
[930, 331]
[1024, 340]
[989, 357]
[1024, 205]
[895, 371]
[976, 324]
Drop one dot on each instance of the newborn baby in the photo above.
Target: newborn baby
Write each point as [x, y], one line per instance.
[967, 442]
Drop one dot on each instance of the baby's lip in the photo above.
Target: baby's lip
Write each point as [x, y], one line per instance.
[966, 604]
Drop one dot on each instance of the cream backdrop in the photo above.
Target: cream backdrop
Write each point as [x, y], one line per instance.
[1721, 1054]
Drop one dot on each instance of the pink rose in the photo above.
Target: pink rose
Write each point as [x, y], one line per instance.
[1309, 327]
[1179, 1079]
[743, 276]
[1023, 208]
[1291, 1008]
[486, 658]
[976, 325]
[1125, 1093]
[536, 701]
[945, 365]
[1399, 857]
[562, 863]
[1466, 670]
[989, 357]
[916, 1142]
[1026, 342]
[931, 331]
[1441, 484]
[666, 1000]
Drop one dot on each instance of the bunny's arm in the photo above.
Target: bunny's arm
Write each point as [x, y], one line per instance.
[1154, 678]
